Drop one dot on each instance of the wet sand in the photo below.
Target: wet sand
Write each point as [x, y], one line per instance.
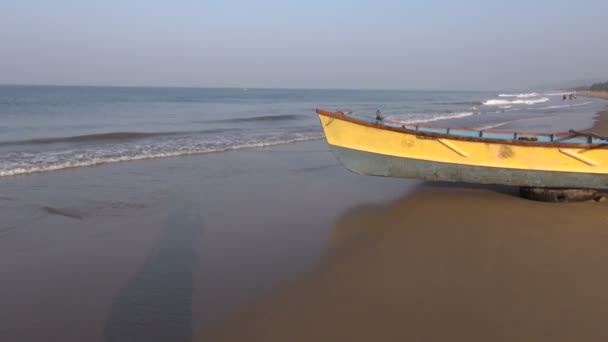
[154, 250]
[447, 263]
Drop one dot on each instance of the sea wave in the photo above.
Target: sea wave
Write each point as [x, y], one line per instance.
[520, 96]
[25, 163]
[412, 118]
[110, 137]
[260, 118]
[528, 101]
[496, 102]
[554, 107]
[555, 94]
[446, 117]
[493, 125]
[567, 105]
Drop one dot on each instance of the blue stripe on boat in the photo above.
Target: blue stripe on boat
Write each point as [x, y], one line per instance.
[490, 135]
[463, 133]
[433, 130]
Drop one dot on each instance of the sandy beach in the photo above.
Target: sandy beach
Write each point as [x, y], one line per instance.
[597, 94]
[448, 262]
[282, 243]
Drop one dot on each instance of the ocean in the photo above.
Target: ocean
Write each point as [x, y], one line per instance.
[46, 128]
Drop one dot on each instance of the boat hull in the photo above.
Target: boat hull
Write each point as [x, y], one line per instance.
[373, 164]
[369, 148]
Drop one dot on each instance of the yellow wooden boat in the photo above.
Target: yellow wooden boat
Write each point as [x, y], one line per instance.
[394, 149]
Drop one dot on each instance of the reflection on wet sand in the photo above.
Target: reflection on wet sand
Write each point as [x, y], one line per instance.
[448, 263]
[364, 222]
[166, 246]
[156, 304]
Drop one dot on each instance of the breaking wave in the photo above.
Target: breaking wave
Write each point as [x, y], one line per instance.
[109, 137]
[528, 101]
[446, 117]
[520, 96]
[19, 163]
[413, 119]
[496, 102]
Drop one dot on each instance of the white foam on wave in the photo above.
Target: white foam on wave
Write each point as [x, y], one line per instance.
[520, 96]
[82, 161]
[531, 101]
[494, 125]
[444, 116]
[496, 102]
[528, 101]
[566, 105]
[554, 107]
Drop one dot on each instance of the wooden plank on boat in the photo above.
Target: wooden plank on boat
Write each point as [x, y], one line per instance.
[453, 148]
[578, 157]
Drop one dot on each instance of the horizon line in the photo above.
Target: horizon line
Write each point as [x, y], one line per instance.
[234, 87]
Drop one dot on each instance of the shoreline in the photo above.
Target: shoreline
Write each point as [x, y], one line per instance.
[151, 250]
[446, 262]
[600, 125]
[595, 94]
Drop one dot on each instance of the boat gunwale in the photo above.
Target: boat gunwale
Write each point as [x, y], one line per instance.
[341, 116]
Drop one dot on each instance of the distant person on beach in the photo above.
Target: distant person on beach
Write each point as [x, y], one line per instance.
[564, 97]
[379, 115]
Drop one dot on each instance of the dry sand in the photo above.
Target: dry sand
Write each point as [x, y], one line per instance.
[448, 263]
[598, 94]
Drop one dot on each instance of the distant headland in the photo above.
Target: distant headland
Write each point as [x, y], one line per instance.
[599, 89]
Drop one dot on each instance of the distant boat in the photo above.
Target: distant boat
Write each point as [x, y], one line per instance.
[395, 149]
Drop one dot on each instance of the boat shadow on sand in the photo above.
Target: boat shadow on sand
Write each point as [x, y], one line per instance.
[452, 257]
[447, 205]
[446, 263]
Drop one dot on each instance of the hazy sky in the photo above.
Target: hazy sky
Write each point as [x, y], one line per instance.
[303, 44]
